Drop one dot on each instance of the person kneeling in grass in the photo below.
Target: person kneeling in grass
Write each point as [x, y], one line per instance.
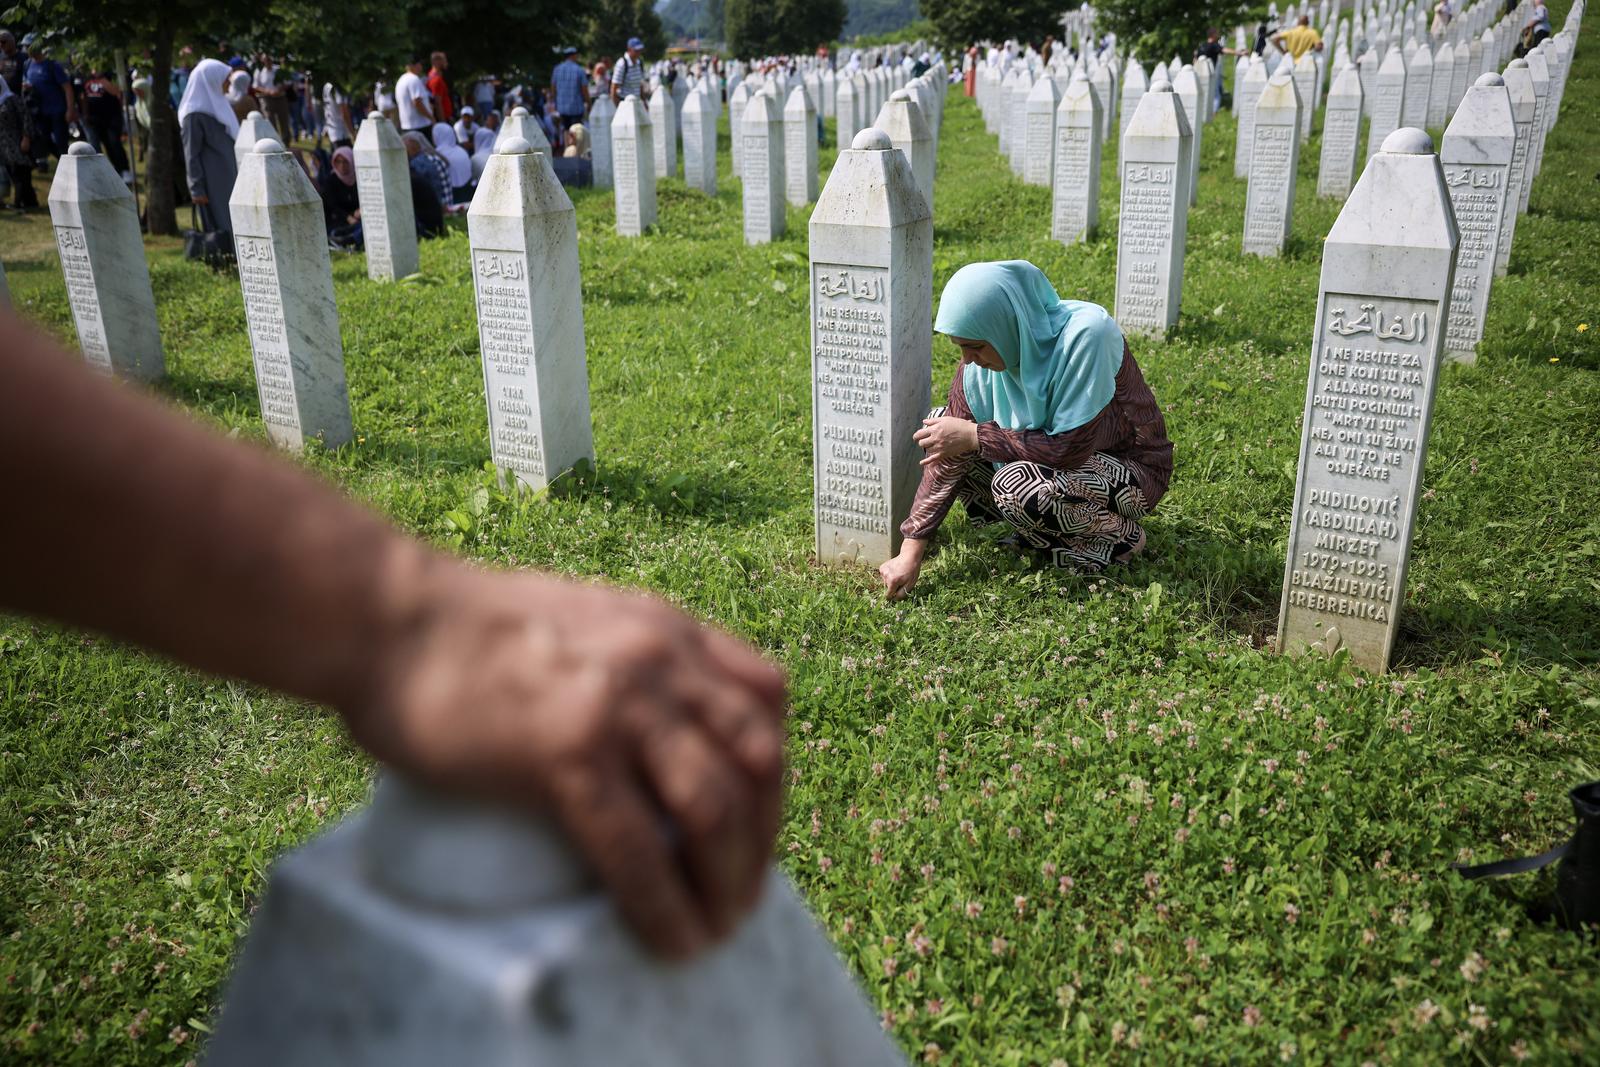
[1049, 427]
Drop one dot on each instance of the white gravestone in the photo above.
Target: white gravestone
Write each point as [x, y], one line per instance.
[908, 131]
[1341, 135]
[1039, 151]
[738, 100]
[1018, 111]
[1519, 84]
[1384, 296]
[801, 183]
[847, 108]
[425, 931]
[1419, 84]
[1476, 156]
[664, 133]
[1444, 65]
[1246, 94]
[524, 237]
[1187, 88]
[1002, 111]
[1305, 84]
[1274, 166]
[521, 124]
[1542, 110]
[1461, 77]
[383, 183]
[829, 88]
[102, 262]
[282, 246]
[871, 332]
[1388, 106]
[1134, 86]
[762, 133]
[1203, 73]
[252, 128]
[1367, 68]
[1154, 220]
[1101, 79]
[601, 114]
[633, 167]
[1075, 197]
[700, 142]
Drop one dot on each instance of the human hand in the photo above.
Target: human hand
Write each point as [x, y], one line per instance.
[945, 437]
[900, 573]
[201, 200]
[623, 718]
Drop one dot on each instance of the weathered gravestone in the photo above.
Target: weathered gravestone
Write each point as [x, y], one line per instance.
[908, 131]
[252, 128]
[601, 114]
[524, 237]
[102, 261]
[521, 124]
[1247, 93]
[1519, 85]
[633, 167]
[1385, 293]
[763, 177]
[1039, 150]
[1187, 89]
[1389, 105]
[700, 142]
[871, 331]
[1341, 135]
[1274, 166]
[383, 183]
[1154, 222]
[1075, 197]
[424, 931]
[1476, 156]
[664, 133]
[800, 147]
[282, 247]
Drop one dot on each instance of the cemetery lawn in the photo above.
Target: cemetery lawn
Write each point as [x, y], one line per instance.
[1042, 817]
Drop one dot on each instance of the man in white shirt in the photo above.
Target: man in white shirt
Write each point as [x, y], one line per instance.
[466, 128]
[413, 101]
[273, 97]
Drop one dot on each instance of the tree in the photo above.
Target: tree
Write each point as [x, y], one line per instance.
[693, 18]
[874, 17]
[774, 27]
[962, 22]
[607, 25]
[1157, 29]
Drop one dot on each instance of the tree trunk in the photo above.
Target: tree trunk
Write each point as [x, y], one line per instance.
[160, 203]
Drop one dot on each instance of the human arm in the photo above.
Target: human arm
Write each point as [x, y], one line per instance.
[611, 711]
[935, 494]
[68, 91]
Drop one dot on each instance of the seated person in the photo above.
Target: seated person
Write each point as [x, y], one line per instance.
[1050, 427]
[341, 206]
[482, 148]
[429, 190]
[458, 164]
[577, 142]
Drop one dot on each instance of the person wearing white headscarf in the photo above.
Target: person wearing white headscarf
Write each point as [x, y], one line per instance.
[208, 127]
[482, 148]
[444, 139]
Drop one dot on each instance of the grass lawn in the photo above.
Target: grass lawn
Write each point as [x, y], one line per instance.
[1043, 817]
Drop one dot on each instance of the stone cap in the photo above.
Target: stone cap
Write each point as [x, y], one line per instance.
[1408, 141]
[267, 146]
[1489, 79]
[255, 115]
[519, 112]
[871, 139]
[376, 115]
[82, 148]
[513, 146]
[1519, 63]
[899, 94]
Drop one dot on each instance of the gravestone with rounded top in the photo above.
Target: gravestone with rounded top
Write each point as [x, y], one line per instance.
[1387, 267]
[524, 238]
[383, 184]
[800, 148]
[1251, 81]
[908, 131]
[700, 142]
[1519, 86]
[102, 261]
[1134, 85]
[1075, 196]
[1274, 166]
[252, 128]
[1039, 155]
[871, 331]
[428, 930]
[664, 133]
[1154, 220]
[282, 248]
[763, 177]
[1187, 89]
[1341, 135]
[1389, 105]
[1476, 156]
[601, 114]
[633, 162]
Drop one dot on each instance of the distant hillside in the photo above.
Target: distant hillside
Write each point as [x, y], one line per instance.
[866, 17]
[869, 17]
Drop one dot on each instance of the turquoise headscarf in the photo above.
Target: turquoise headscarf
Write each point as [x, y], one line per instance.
[1061, 356]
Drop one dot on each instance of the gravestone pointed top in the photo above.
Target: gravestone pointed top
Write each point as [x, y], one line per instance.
[1489, 79]
[81, 148]
[268, 146]
[871, 139]
[519, 112]
[514, 146]
[1408, 141]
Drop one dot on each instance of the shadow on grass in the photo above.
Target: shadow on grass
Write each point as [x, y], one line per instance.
[1560, 629]
[700, 493]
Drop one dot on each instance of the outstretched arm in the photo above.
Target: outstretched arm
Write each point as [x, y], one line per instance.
[611, 711]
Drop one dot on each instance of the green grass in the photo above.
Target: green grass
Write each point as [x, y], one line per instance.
[1120, 773]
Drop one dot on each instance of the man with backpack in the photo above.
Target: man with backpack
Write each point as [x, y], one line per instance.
[627, 77]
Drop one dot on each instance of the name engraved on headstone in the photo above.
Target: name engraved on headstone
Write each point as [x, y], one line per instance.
[1269, 175]
[263, 313]
[1073, 145]
[1040, 128]
[374, 224]
[82, 296]
[757, 182]
[1144, 236]
[1477, 194]
[851, 342]
[625, 179]
[505, 332]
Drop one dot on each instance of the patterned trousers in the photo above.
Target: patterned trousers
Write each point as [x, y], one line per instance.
[1087, 519]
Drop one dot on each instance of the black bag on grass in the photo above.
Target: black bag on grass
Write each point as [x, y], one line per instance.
[210, 246]
[1577, 898]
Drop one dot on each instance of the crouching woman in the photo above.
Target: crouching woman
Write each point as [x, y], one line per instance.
[1049, 428]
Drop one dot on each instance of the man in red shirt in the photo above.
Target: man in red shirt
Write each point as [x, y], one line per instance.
[442, 111]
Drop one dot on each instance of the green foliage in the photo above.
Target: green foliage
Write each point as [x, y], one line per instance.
[693, 18]
[870, 18]
[961, 22]
[1156, 29]
[605, 26]
[771, 27]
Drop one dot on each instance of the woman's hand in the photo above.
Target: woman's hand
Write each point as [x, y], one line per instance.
[200, 200]
[946, 437]
[900, 573]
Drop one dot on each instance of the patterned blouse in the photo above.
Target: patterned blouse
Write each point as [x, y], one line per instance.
[1130, 428]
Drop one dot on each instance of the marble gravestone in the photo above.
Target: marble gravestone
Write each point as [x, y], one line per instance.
[1367, 69]
[664, 133]
[1039, 133]
[1187, 88]
[1251, 82]
[1476, 156]
[252, 128]
[1444, 66]
[521, 124]
[524, 237]
[1305, 84]
[1274, 167]
[1539, 68]
[383, 183]
[1103, 82]
[738, 100]
[1519, 84]
[601, 114]
[633, 163]
[1388, 105]
[1203, 73]
[425, 930]
[1154, 221]
[800, 148]
[1075, 196]
[1341, 135]
[762, 133]
[903, 120]
[871, 331]
[1017, 113]
[1002, 111]
[847, 109]
[1384, 297]
[281, 243]
[102, 262]
[700, 142]
[1461, 76]
[1134, 86]
[1419, 85]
